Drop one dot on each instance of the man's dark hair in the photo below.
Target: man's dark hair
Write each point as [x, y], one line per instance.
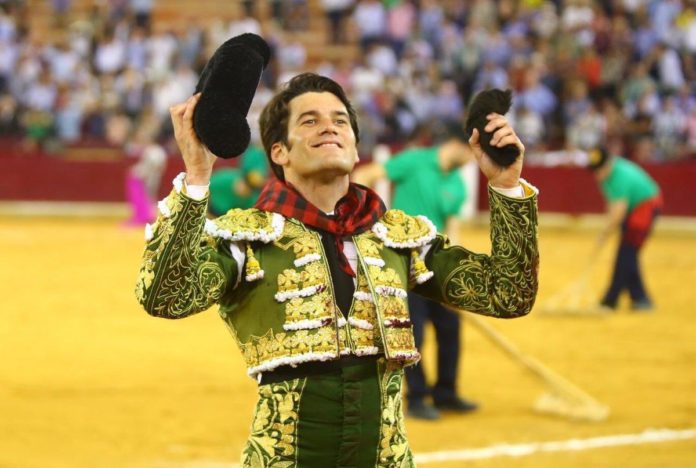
[273, 121]
[597, 158]
[452, 130]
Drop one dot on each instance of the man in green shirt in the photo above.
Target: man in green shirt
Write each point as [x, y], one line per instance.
[238, 187]
[427, 181]
[633, 202]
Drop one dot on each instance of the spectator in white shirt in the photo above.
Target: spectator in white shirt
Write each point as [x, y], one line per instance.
[370, 19]
[110, 55]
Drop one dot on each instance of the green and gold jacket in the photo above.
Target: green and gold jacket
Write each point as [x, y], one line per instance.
[280, 306]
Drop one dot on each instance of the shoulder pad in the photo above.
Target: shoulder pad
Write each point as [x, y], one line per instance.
[246, 225]
[401, 231]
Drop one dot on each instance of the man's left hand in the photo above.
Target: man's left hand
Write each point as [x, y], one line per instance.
[503, 134]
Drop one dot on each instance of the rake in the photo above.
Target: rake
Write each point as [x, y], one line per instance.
[573, 299]
[563, 398]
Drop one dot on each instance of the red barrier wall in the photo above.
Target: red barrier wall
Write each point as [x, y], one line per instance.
[563, 189]
[43, 178]
[574, 190]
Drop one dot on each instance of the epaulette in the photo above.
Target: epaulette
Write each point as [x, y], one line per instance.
[401, 231]
[246, 225]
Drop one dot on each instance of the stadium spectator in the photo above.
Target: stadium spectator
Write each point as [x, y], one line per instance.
[401, 21]
[8, 115]
[633, 55]
[337, 12]
[370, 19]
[669, 127]
[142, 12]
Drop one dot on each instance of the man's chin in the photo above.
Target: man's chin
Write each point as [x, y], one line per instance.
[334, 171]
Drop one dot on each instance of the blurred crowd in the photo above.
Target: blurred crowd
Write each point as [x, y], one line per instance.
[620, 72]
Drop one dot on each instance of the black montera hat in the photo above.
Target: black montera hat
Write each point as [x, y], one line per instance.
[485, 102]
[228, 83]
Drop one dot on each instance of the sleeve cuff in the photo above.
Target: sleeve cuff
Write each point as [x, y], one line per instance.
[197, 192]
[515, 192]
[524, 190]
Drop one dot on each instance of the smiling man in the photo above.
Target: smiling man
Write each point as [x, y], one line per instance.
[313, 280]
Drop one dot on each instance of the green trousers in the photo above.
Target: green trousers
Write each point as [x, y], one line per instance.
[351, 417]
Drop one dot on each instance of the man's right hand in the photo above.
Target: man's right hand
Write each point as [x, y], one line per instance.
[197, 158]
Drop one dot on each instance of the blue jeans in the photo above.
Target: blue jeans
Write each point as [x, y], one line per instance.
[627, 275]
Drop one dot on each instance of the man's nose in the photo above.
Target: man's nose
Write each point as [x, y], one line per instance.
[328, 127]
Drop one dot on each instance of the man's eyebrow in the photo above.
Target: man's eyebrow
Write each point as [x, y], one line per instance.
[314, 113]
[311, 113]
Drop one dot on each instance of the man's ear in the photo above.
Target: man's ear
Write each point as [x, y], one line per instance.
[279, 153]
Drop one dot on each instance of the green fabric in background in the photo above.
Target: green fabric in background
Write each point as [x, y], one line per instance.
[254, 159]
[628, 181]
[422, 188]
[222, 183]
[222, 194]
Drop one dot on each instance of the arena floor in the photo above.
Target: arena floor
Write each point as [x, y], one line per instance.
[87, 379]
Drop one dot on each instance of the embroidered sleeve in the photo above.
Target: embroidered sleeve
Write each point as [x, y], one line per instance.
[182, 270]
[503, 284]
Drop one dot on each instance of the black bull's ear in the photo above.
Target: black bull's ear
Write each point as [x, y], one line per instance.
[228, 83]
[485, 102]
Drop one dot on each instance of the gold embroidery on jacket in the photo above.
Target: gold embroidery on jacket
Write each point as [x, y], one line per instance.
[273, 438]
[175, 254]
[289, 280]
[365, 340]
[343, 342]
[364, 310]
[287, 345]
[305, 245]
[308, 303]
[362, 321]
[314, 275]
[252, 220]
[393, 308]
[402, 228]
[392, 305]
[173, 204]
[400, 340]
[162, 230]
[386, 277]
[393, 446]
[368, 247]
[317, 307]
[512, 277]
[291, 232]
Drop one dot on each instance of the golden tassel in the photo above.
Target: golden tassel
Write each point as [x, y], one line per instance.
[420, 271]
[253, 268]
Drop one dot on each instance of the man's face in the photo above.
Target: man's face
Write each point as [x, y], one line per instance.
[455, 153]
[603, 172]
[321, 143]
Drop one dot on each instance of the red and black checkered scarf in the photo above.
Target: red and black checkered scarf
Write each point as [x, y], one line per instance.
[355, 212]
